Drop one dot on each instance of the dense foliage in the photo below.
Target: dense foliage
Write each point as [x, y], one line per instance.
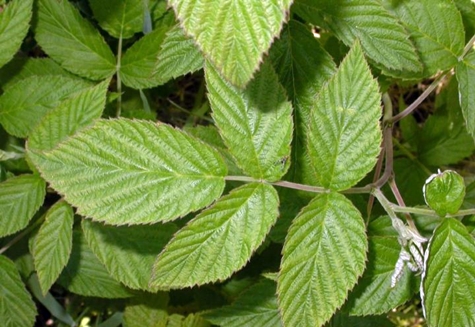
[237, 163]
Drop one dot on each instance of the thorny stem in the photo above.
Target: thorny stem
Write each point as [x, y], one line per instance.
[468, 47]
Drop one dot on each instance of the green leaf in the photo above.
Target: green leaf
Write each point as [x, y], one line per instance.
[20, 198]
[72, 41]
[19, 114]
[147, 310]
[120, 18]
[137, 68]
[220, 240]
[444, 140]
[467, 10]
[76, 112]
[324, 254]
[410, 176]
[303, 67]
[133, 172]
[213, 24]
[86, 275]
[16, 306]
[382, 37]
[436, 29]
[449, 275]
[373, 294]
[344, 320]
[465, 73]
[191, 320]
[344, 132]
[21, 68]
[14, 23]
[257, 306]
[178, 56]
[53, 244]
[444, 192]
[255, 123]
[128, 252]
[210, 135]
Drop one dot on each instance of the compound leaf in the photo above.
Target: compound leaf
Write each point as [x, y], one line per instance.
[147, 310]
[257, 306]
[465, 73]
[323, 256]
[344, 133]
[220, 240]
[53, 244]
[255, 123]
[16, 306]
[74, 113]
[20, 198]
[373, 294]
[128, 252]
[133, 172]
[233, 35]
[438, 47]
[120, 18]
[14, 24]
[72, 41]
[382, 37]
[19, 114]
[449, 273]
[86, 275]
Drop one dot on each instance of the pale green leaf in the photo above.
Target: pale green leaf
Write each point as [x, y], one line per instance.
[68, 117]
[178, 56]
[220, 240]
[158, 57]
[21, 68]
[210, 135]
[138, 64]
[255, 123]
[72, 41]
[344, 133]
[120, 18]
[303, 67]
[448, 283]
[133, 172]
[19, 114]
[465, 73]
[148, 310]
[382, 37]
[14, 23]
[53, 244]
[233, 35]
[20, 198]
[128, 252]
[16, 306]
[436, 29]
[257, 306]
[444, 192]
[324, 254]
[373, 294]
[86, 275]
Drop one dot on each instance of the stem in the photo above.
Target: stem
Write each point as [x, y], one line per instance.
[419, 100]
[467, 48]
[292, 185]
[119, 81]
[400, 201]
[22, 234]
